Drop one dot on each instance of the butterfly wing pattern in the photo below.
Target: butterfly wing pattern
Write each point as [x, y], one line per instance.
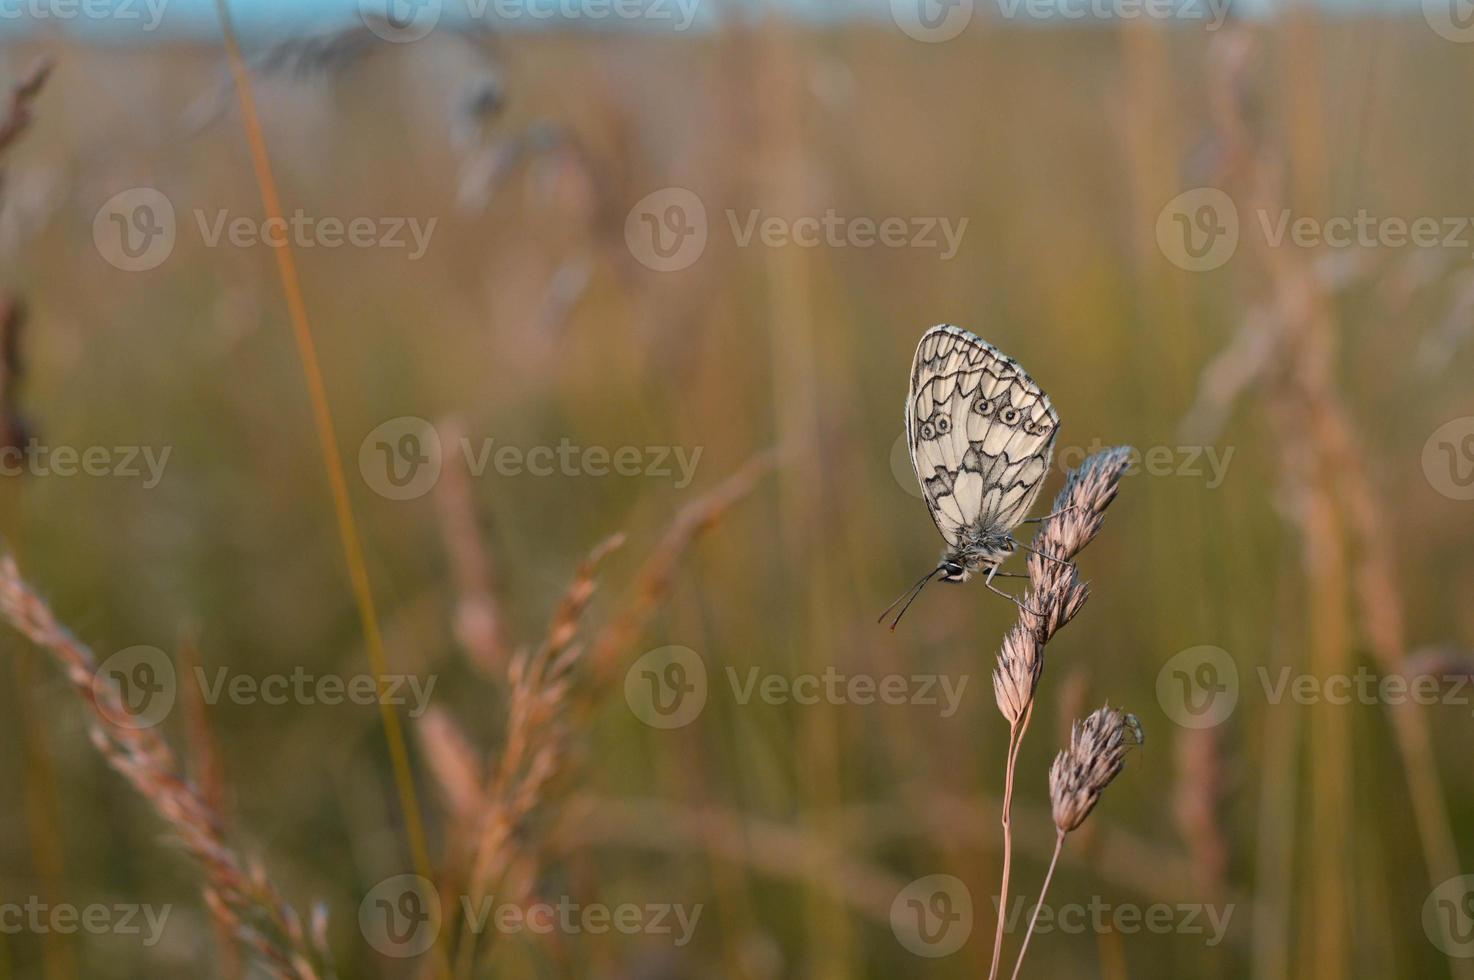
[981, 433]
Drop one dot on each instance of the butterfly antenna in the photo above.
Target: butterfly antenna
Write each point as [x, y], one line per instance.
[909, 596]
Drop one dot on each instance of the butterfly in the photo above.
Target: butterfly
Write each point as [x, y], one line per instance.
[981, 434]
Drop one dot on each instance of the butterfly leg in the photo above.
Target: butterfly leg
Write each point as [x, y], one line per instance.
[1040, 520]
[1041, 554]
[1011, 598]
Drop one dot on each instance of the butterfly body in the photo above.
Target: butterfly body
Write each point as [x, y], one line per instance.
[980, 549]
[981, 435]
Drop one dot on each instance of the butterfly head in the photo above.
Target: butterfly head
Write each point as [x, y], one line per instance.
[958, 564]
[983, 553]
[953, 570]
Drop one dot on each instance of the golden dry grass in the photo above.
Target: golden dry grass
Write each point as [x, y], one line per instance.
[1324, 548]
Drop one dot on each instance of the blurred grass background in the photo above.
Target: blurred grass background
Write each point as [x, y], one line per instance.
[530, 320]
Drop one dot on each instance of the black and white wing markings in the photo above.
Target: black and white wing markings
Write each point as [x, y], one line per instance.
[981, 432]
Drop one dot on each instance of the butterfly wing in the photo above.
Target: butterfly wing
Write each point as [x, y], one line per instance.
[981, 432]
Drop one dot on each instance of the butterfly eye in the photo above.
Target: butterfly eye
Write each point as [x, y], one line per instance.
[944, 425]
[1009, 416]
[983, 407]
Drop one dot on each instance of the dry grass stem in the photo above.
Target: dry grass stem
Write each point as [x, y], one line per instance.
[1200, 789]
[1080, 774]
[1288, 352]
[1056, 596]
[480, 626]
[454, 763]
[22, 95]
[240, 895]
[491, 807]
[535, 749]
[654, 578]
